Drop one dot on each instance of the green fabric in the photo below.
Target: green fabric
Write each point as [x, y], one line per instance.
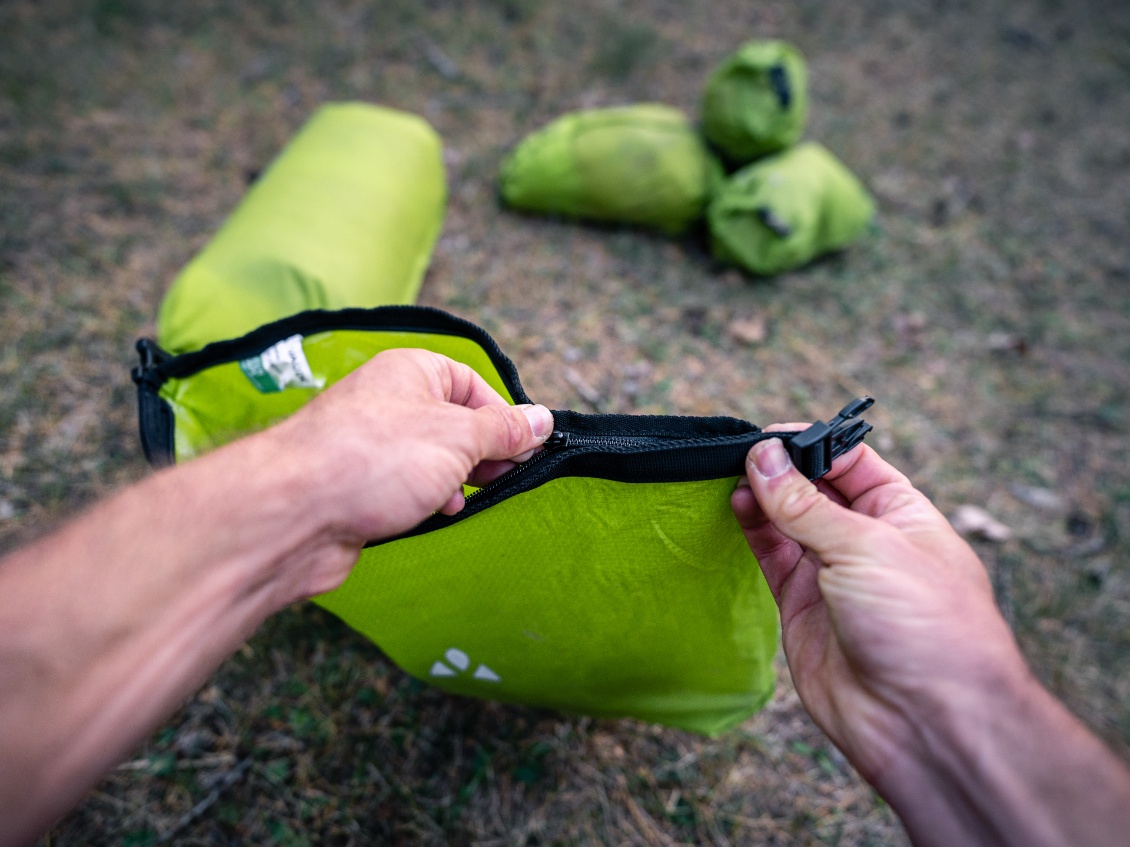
[743, 115]
[592, 596]
[347, 215]
[605, 598]
[785, 210]
[642, 164]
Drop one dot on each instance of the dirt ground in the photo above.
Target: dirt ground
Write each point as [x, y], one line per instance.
[988, 309]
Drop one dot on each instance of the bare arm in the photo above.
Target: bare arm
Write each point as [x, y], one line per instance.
[900, 655]
[107, 625]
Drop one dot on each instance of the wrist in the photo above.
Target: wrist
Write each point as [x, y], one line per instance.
[1002, 762]
[290, 543]
[955, 776]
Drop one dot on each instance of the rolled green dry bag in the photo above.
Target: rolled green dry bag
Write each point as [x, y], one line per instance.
[786, 210]
[642, 164]
[756, 101]
[347, 215]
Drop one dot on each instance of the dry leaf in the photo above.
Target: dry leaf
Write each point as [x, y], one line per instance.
[748, 331]
[972, 520]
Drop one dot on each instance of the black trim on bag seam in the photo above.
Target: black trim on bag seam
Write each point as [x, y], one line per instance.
[156, 421]
[422, 319]
[156, 424]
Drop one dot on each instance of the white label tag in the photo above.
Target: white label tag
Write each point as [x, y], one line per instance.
[280, 366]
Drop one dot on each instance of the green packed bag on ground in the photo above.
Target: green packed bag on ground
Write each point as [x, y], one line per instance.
[786, 210]
[642, 164]
[756, 102]
[347, 215]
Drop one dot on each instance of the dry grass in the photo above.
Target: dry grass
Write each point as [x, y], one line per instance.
[989, 310]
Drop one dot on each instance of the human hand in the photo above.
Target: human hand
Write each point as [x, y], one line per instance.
[888, 618]
[395, 440]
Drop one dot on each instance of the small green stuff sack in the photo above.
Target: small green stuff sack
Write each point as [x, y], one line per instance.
[347, 215]
[785, 210]
[756, 102]
[642, 164]
[606, 575]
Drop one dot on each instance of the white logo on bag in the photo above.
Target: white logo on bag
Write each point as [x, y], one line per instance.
[458, 662]
[287, 365]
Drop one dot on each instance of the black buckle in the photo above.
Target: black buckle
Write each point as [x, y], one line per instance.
[151, 355]
[813, 450]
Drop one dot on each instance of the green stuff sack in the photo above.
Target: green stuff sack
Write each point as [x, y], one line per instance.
[641, 165]
[606, 575]
[756, 102]
[785, 210]
[347, 215]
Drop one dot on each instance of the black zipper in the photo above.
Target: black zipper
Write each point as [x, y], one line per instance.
[666, 450]
[560, 440]
[653, 457]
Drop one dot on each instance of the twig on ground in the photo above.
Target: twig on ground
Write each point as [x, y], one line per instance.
[439, 60]
[585, 391]
[225, 782]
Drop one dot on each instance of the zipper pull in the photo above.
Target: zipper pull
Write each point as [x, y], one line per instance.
[813, 450]
[556, 440]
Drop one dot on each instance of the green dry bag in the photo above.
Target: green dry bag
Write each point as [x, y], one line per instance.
[785, 210]
[347, 215]
[756, 102]
[642, 164]
[606, 575]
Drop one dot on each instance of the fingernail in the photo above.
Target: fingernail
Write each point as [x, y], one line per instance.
[541, 420]
[769, 458]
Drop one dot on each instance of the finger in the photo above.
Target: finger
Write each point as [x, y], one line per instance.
[829, 491]
[490, 470]
[454, 503]
[799, 510]
[502, 432]
[776, 553]
[787, 427]
[464, 387]
[856, 472]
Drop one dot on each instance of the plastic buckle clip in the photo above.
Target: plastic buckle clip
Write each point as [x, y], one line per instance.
[813, 450]
[151, 355]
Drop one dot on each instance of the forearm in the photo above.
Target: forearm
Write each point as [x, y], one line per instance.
[106, 626]
[1010, 766]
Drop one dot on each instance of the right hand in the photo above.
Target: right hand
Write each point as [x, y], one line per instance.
[888, 617]
[393, 442]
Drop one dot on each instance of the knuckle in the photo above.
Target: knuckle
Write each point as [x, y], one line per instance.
[800, 502]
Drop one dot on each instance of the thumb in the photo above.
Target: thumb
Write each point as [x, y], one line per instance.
[503, 432]
[797, 508]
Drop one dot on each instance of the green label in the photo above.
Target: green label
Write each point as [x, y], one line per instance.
[254, 370]
[280, 366]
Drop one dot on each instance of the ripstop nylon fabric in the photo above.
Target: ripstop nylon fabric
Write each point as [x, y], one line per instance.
[642, 164]
[756, 101]
[787, 209]
[600, 597]
[347, 215]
